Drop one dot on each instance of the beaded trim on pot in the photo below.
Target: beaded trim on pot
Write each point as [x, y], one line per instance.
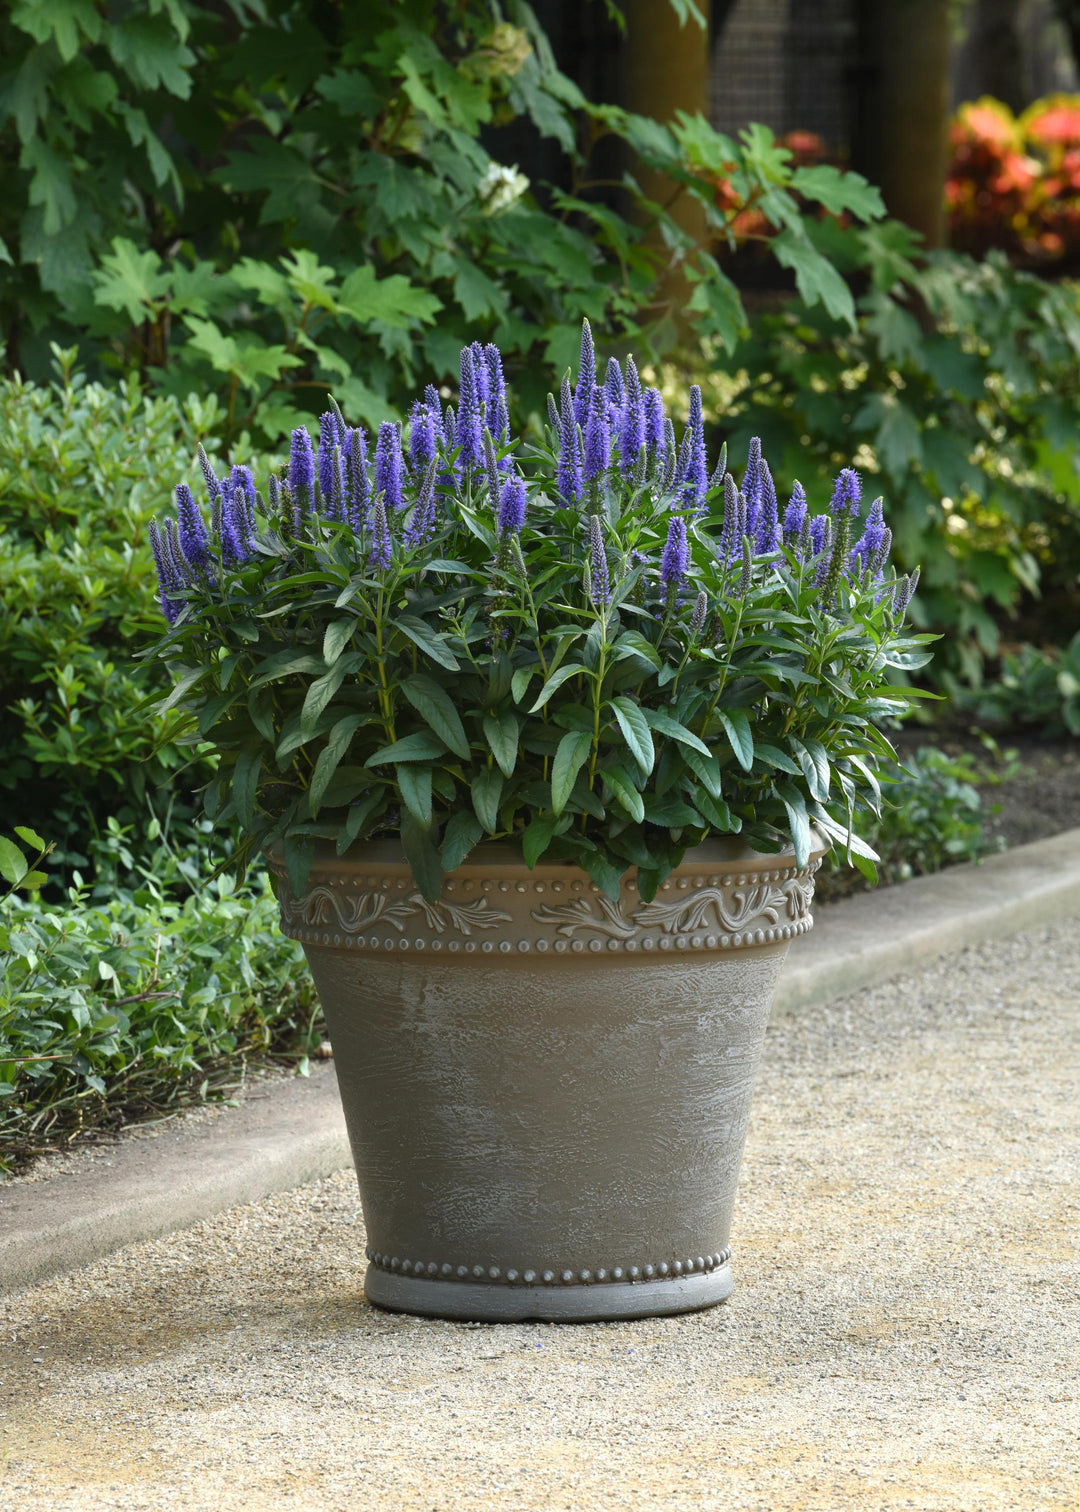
[384, 913]
[493, 1275]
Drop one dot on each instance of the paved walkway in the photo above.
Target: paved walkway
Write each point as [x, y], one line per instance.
[905, 1333]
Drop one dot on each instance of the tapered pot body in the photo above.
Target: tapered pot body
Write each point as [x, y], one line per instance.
[546, 1091]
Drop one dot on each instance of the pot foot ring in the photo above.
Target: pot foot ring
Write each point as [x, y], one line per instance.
[487, 1303]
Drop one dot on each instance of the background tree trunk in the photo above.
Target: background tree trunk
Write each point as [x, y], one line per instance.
[900, 142]
[666, 69]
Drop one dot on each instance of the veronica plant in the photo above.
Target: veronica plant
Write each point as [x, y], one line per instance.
[595, 647]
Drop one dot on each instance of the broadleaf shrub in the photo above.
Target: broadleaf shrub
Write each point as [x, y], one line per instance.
[273, 200]
[959, 393]
[127, 1001]
[80, 476]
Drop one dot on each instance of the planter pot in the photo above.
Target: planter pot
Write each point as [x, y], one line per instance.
[547, 1092]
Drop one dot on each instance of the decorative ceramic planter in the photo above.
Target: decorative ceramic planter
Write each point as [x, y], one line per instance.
[547, 1092]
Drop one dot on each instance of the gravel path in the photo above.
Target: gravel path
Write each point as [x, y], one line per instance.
[904, 1333]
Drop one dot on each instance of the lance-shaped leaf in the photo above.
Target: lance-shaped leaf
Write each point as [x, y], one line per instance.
[635, 731]
[436, 708]
[570, 757]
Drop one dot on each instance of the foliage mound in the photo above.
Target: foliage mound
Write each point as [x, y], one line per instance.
[151, 989]
[607, 655]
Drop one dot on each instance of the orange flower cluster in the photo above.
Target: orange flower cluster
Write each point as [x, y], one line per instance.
[1014, 181]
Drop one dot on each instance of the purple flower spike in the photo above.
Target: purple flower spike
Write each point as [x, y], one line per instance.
[210, 477]
[512, 503]
[382, 546]
[767, 526]
[234, 548]
[795, 513]
[820, 533]
[498, 416]
[168, 577]
[597, 437]
[301, 469]
[694, 473]
[328, 439]
[423, 437]
[389, 464]
[599, 582]
[731, 530]
[675, 558]
[872, 546]
[653, 402]
[586, 380]
[631, 420]
[470, 428]
[357, 487]
[847, 494]
[701, 609]
[614, 387]
[424, 515]
[751, 488]
[480, 374]
[568, 474]
[242, 483]
[191, 530]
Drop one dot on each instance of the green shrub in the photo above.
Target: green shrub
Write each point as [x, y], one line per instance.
[960, 391]
[272, 199]
[83, 467]
[1034, 688]
[126, 1001]
[932, 817]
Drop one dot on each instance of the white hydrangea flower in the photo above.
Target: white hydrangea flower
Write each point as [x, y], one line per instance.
[500, 187]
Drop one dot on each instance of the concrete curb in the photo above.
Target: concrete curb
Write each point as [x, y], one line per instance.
[145, 1187]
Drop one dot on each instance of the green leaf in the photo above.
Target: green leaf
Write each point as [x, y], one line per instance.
[393, 301]
[437, 708]
[131, 281]
[321, 692]
[621, 785]
[422, 856]
[632, 643]
[635, 731]
[419, 747]
[665, 725]
[671, 813]
[773, 756]
[271, 169]
[839, 191]
[414, 782]
[799, 820]
[337, 637]
[182, 689]
[501, 732]
[330, 758]
[738, 730]
[462, 832]
[13, 866]
[30, 837]
[815, 277]
[520, 682]
[537, 836]
[50, 186]
[814, 761]
[245, 784]
[570, 756]
[555, 682]
[705, 768]
[299, 854]
[357, 817]
[486, 794]
[429, 641]
[716, 811]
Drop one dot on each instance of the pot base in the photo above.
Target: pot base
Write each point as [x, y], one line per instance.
[482, 1303]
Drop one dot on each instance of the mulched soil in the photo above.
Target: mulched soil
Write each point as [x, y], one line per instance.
[1040, 800]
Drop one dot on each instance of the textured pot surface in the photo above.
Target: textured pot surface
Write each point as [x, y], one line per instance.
[547, 1092]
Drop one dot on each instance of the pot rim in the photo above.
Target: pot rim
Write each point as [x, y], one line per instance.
[722, 853]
